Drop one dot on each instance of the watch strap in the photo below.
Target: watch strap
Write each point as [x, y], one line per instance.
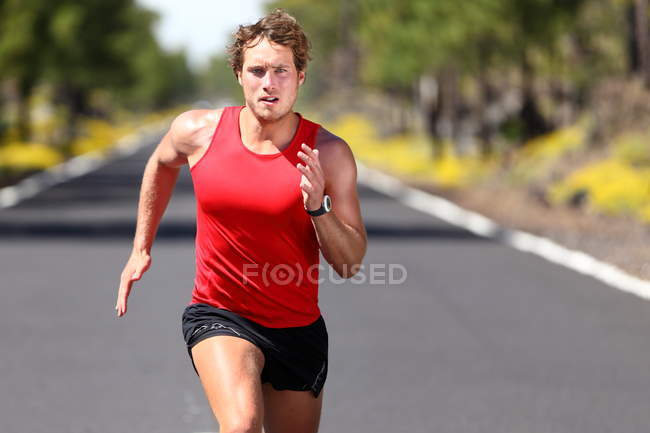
[324, 208]
[320, 211]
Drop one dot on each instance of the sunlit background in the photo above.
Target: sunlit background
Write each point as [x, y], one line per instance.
[542, 103]
[532, 113]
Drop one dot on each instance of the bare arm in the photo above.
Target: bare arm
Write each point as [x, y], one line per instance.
[158, 184]
[331, 169]
[182, 141]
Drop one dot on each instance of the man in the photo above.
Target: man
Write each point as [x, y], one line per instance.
[272, 189]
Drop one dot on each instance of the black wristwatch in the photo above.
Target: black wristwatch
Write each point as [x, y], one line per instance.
[324, 208]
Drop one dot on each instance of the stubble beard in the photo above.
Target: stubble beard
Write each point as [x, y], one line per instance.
[271, 115]
[267, 115]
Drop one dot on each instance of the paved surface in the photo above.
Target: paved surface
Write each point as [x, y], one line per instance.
[479, 338]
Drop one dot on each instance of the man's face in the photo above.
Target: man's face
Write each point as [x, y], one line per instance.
[270, 80]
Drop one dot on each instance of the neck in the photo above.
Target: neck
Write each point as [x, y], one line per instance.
[264, 135]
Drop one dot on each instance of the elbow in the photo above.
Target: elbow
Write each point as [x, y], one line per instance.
[352, 263]
[348, 270]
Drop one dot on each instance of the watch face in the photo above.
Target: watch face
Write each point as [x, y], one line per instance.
[327, 203]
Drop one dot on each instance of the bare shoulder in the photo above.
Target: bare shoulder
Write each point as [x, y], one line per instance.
[190, 130]
[336, 159]
[332, 148]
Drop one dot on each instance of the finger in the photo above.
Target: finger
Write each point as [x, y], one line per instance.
[125, 283]
[308, 150]
[305, 180]
[314, 177]
[305, 157]
[312, 181]
[311, 159]
[308, 190]
[122, 306]
[123, 294]
[306, 185]
[309, 174]
[120, 293]
[119, 307]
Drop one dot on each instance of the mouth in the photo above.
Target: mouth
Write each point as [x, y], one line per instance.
[269, 100]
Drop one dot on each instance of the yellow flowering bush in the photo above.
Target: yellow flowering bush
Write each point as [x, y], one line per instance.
[19, 156]
[619, 185]
[455, 171]
[613, 187]
[556, 143]
[633, 148]
[539, 155]
[98, 135]
[408, 154]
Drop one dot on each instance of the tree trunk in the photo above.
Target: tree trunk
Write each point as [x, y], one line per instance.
[24, 121]
[441, 113]
[75, 100]
[346, 56]
[534, 123]
[641, 32]
[632, 41]
[445, 121]
[485, 99]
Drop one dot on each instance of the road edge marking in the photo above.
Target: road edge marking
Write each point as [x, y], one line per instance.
[485, 227]
[78, 166]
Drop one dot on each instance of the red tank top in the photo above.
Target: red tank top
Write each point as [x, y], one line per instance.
[257, 254]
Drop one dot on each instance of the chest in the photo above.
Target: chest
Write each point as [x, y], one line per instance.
[233, 182]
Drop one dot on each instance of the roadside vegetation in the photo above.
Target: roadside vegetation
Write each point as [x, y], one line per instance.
[77, 76]
[542, 97]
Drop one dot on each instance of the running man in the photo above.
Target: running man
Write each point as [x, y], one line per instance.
[272, 190]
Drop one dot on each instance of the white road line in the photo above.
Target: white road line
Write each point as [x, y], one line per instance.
[482, 226]
[414, 198]
[78, 166]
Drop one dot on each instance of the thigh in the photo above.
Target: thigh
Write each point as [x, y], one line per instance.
[291, 411]
[230, 368]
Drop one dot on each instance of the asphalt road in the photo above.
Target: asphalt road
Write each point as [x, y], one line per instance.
[478, 338]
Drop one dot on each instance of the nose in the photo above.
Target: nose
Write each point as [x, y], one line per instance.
[269, 81]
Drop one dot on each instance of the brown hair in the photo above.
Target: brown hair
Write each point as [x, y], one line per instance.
[278, 27]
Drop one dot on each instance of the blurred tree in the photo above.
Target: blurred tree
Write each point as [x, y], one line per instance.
[80, 47]
[639, 43]
[218, 80]
[451, 39]
[23, 36]
[538, 26]
[405, 41]
[528, 65]
[153, 78]
[182, 82]
[331, 27]
[81, 54]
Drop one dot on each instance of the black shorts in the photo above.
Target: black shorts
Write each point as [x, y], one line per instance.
[295, 358]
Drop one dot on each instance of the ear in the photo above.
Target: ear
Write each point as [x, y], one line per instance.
[301, 77]
[239, 78]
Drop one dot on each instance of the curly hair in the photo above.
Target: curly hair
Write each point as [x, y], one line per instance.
[278, 27]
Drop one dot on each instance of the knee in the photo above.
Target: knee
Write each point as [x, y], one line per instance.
[243, 425]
